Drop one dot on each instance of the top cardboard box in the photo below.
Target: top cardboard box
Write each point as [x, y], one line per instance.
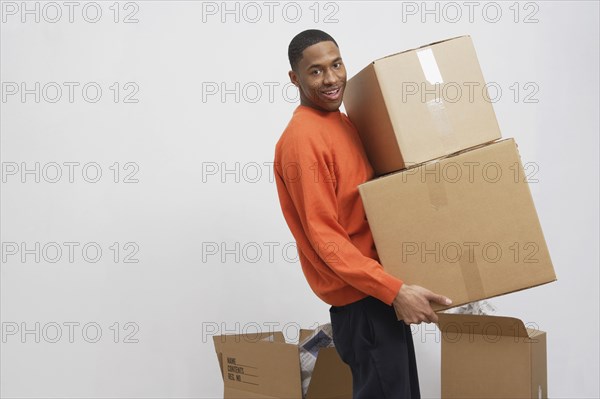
[421, 104]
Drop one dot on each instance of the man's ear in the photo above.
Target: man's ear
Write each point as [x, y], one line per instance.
[294, 78]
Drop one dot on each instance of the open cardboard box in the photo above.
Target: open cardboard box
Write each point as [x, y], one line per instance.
[253, 368]
[421, 104]
[491, 357]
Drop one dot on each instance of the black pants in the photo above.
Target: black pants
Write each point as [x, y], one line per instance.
[378, 348]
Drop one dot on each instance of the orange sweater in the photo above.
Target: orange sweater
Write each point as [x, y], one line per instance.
[319, 162]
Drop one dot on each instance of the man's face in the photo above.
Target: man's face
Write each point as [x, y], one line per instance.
[320, 76]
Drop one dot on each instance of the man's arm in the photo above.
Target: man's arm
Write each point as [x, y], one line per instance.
[307, 176]
[309, 179]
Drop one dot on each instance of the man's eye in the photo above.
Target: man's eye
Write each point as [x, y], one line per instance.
[315, 72]
[337, 65]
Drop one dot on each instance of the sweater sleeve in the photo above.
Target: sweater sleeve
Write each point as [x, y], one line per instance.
[307, 169]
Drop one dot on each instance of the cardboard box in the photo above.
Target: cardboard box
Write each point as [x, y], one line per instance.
[252, 368]
[421, 104]
[491, 357]
[464, 226]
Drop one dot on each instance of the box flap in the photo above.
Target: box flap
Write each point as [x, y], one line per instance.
[331, 377]
[484, 324]
[278, 337]
[539, 367]
[219, 340]
[304, 333]
[271, 369]
[220, 359]
[533, 333]
[486, 365]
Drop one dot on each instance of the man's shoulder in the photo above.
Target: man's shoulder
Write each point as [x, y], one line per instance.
[303, 128]
[347, 121]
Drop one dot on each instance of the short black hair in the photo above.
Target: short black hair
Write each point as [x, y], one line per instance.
[303, 40]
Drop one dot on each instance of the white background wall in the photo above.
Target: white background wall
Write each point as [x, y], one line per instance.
[203, 237]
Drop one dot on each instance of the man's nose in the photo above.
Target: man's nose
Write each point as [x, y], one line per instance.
[329, 77]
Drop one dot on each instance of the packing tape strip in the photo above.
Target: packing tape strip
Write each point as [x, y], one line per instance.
[442, 124]
[470, 272]
[436, 190]
[436, 107]
[438, 198]
[429, 66]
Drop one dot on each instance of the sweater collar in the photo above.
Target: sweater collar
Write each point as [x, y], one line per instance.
[314, 111]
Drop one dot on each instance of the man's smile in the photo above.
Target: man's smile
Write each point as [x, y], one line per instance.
[332, 94]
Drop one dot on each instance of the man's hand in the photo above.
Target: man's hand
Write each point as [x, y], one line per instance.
[413, 307]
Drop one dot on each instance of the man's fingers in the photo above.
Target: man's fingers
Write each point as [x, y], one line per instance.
[442, 300]
[433, 317]
[428, 315]
[433, 297]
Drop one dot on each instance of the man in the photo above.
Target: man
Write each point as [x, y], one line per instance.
[319, 162]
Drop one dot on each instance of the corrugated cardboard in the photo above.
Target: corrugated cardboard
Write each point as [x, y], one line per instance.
[464, 226]
[491, 357]
[252, 368]
[421, 104]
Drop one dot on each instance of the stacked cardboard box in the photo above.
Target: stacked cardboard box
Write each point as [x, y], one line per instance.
[451, 210]
[421, 104]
